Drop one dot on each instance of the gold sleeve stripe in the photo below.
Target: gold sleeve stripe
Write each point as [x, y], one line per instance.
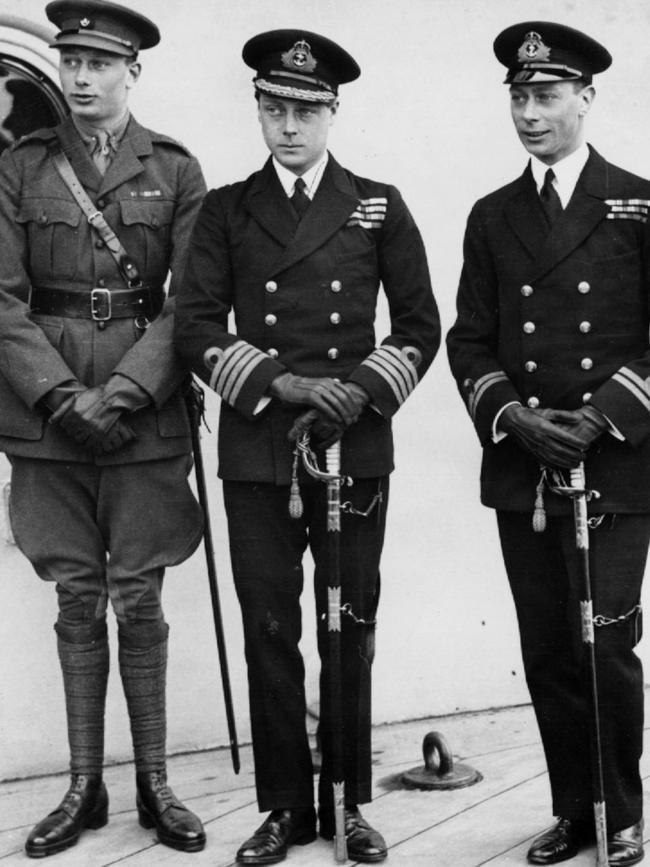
[396, 370]
[234, 368]
[481, 386]
[635, 384]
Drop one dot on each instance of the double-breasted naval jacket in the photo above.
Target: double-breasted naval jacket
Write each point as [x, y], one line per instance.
[150, 196]
[304, 297]
[557, 320]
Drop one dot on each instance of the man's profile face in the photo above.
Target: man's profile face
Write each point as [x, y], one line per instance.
[96, 83]
[295, 131]
[549, 117]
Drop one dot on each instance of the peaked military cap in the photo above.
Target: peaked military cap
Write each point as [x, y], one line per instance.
[297, 64]
[537, 51]
[100, 24]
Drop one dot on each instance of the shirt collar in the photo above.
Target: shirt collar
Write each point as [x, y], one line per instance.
[88, 132]
[312, 177]
[567, 171]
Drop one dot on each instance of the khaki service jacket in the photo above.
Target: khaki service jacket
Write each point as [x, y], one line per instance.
[150, 196]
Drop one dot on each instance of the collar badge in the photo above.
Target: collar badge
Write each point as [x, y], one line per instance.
[299, 57]
[533, 48]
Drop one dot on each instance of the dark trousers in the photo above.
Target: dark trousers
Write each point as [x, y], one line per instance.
[547, 588]
[267, 547]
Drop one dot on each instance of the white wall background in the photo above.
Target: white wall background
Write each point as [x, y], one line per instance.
[429, 114]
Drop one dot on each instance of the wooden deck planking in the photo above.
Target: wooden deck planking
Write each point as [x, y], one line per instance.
[489, 823]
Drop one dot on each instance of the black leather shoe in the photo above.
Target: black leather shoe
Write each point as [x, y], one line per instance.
[560, 842]
[85, 805]
[159, 808]
[626, 846]
[280, 829]
[363, 842]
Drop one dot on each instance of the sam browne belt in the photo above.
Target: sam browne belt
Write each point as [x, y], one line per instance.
[100, 305]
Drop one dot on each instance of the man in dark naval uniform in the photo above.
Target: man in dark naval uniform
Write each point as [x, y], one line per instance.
[550, 353]
[298, 251]
[91, 416]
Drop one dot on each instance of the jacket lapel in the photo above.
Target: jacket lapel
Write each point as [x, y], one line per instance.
[334, 202]
[525, 216]
[585, 211]
[136, 142]
[77, 153]
[269, 206]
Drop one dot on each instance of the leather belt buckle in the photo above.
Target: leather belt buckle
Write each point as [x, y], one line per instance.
[100, 305]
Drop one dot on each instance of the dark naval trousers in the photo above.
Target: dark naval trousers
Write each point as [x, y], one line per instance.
[267, 547]
[547, 588]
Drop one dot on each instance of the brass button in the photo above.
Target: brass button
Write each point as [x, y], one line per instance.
[526, 290]
[335, 318]
[333, 353]
[584, 287]
[99, 244]
[336, 286]
[585, 327]
[273, 353]
[531, 366]
[529, 327]
[533, 402]
[586, 364]
[101, 282]
[271, 286]
[586, 397]
[101, 203]
[270, 319]
[43, 219]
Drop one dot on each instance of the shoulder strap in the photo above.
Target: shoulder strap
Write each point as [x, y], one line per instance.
[124, 262]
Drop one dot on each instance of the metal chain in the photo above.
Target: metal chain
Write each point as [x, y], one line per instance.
[347, 610]
[601, 620]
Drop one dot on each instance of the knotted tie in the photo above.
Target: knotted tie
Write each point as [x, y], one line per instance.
[549, 198]
[102, 152]
[300, 200]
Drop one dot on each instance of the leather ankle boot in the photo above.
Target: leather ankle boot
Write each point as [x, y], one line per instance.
[85, 805]
[159, 808]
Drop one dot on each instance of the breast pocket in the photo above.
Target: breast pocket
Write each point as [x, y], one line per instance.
[147, 235]
[54, 238]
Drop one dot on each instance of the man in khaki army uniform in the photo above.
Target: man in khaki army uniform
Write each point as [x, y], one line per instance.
[91, 415]
[551, 355]
[298, 251]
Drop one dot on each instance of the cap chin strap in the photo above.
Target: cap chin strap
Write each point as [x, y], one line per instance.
[531, 73]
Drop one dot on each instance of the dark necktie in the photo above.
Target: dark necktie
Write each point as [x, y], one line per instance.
[550, 199]
[300, 200]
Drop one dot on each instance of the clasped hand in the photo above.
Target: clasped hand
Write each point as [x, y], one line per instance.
[338, 402]
[92, 418]
[556, 437]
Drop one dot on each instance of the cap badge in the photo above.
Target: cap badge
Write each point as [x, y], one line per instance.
[85, 22]
[533, 48]
[299, 57]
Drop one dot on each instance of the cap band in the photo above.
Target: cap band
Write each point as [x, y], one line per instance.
[98, 34]
[288, 92]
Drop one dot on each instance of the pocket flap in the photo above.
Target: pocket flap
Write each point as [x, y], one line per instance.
[48, 211]
[152, 214]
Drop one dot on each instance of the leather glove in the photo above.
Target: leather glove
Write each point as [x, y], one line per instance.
[92, 417]
[587, 425]
[335, 401]
[542, 433]
[322, 432]
[51, 401]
